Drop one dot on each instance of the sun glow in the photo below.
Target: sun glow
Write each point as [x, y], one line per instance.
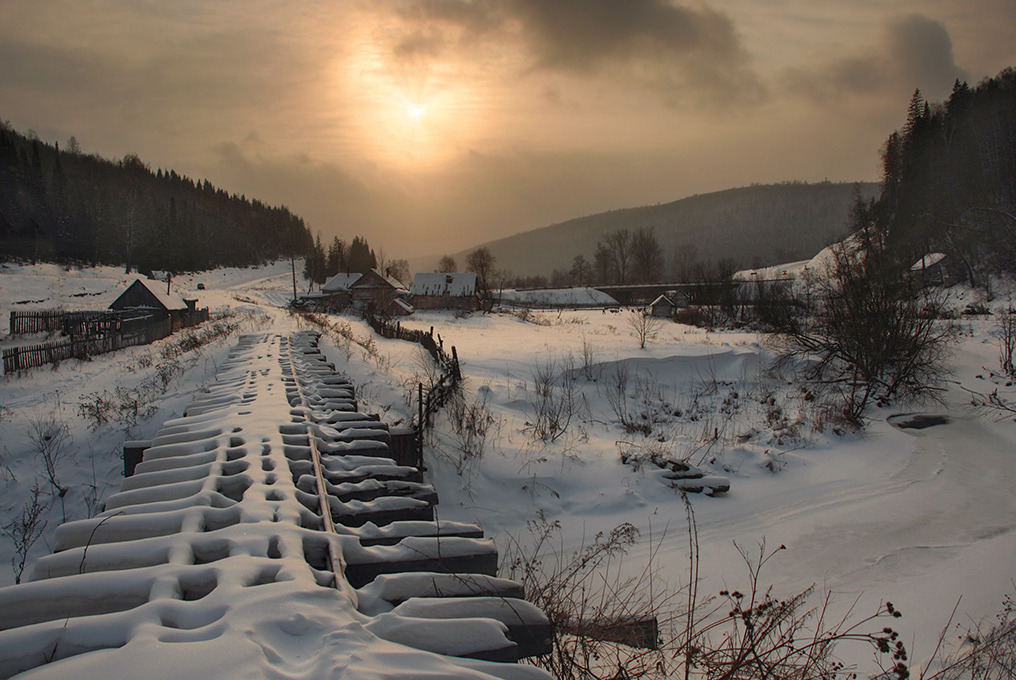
[415, 116]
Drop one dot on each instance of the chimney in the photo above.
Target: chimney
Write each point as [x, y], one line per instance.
[169, 283]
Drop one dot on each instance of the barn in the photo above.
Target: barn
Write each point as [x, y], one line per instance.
[445, 291]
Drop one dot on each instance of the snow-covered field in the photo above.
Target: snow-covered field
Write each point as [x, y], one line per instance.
[922, 518]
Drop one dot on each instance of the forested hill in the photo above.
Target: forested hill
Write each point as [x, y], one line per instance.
[65, 206]
[761, 224]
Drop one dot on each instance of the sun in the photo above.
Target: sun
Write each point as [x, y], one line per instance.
[417, 111]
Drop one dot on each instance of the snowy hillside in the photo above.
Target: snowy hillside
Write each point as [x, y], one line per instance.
[920, 517]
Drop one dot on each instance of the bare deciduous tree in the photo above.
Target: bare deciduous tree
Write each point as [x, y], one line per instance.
[619, 245]
[447, 265]
[647, 260]
[483, 263]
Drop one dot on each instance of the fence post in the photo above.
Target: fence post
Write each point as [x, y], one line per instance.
[455, 364]
[419, 430]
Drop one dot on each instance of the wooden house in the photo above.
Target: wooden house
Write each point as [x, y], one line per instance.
[374, 292]
[336, 293]
[445, 291]
[157, 299]
[932, 270]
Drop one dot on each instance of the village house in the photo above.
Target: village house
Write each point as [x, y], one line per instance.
[157, 299]
[375, 292]
[445, 291]
[336, 293]
[932, 270]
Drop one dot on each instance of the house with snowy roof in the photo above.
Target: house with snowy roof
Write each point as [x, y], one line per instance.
[341, 282]
[445, 291]
[156, 298]
[932, 270]
[336, 293]
[666, 306]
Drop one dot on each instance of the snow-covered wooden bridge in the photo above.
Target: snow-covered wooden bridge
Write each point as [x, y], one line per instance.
[268, 533]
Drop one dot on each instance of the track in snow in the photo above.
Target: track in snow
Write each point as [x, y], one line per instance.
[269, 528]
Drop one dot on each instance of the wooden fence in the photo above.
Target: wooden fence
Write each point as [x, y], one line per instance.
[30, 356]
[441, 391]
[91, 333]
[48, 321]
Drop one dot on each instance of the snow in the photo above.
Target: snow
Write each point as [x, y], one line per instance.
[341, 282]
[929, 260]
[558, 297]
[919, 517]
[777, 272]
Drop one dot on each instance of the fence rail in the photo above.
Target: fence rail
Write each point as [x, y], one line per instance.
[91, 333]
[441, 391]
[50, 320]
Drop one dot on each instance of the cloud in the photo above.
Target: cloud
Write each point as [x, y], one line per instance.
[913, 52]
[679, 52]
[921, 50]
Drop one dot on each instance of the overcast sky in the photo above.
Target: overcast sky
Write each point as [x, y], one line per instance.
[429, 126]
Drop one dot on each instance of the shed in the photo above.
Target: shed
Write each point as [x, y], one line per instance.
[399, 307]
[666, 306]
[662, 308]
[445, 291]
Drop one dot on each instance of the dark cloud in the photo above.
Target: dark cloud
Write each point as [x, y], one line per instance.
[921, 50]
[587, 35]
[680, 52]
[915, 52]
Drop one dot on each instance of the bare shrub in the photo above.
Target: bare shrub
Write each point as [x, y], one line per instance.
[1005, 333]
[48, 436]
[986, 652]
[553, 405]
[764, 636]
[124, 406]
[471, 421]
[24, 531]
[867, 331]
[588, 358]
[603, 624]
[529, 316]
[625, 406]
[643, 325]
[608, 625]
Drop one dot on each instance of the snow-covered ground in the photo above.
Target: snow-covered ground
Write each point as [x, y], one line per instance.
[918, 517]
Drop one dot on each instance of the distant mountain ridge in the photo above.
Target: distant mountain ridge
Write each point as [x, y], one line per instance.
[757, 225]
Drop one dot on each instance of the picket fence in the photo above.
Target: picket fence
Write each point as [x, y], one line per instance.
[90, 333]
